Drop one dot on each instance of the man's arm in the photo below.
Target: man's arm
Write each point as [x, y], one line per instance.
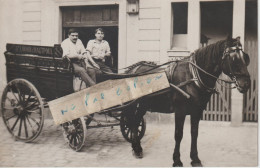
[108, 51]
[74, 56]
[89, 58]
[83, 51]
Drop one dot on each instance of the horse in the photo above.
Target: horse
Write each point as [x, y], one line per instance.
[197, 76]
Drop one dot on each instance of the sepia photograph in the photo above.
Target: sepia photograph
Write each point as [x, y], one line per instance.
[129, 83]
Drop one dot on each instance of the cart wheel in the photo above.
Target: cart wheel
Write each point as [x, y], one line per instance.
[127, 132]
[22, 110]
[75, 133]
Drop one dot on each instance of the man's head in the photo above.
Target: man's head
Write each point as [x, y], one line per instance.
[99, 33]
[73, 35]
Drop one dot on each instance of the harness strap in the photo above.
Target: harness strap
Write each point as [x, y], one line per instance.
[170, 70]
[186, 82]
[197, 79]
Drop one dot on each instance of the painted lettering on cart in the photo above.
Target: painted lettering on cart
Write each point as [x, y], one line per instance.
[72, 107]
[119, 91]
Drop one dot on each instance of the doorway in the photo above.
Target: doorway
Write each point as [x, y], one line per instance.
[216, 21]
[87, 19]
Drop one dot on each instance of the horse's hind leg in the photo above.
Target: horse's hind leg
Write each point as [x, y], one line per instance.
[195, 118]
[134, 116]
[179, 122]
[136, 143]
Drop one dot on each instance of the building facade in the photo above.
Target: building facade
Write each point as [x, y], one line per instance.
[151, 30]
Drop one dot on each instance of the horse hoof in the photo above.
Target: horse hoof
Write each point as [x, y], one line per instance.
[138, 155]
[177, 164]
[196, 164]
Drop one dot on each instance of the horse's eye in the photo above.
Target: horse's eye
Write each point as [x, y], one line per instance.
[246, 58]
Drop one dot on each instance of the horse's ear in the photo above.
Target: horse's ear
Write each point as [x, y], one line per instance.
[238, 39]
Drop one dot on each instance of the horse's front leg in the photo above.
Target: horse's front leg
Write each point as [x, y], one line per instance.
[195, 118]
[179, 122]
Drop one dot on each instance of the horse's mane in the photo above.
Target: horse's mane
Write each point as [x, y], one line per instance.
[205, 55]
[130, 68]
[210, 53]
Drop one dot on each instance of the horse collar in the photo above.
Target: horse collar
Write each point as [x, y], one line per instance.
[197, 80]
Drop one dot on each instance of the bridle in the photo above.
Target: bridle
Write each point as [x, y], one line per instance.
[226, 59]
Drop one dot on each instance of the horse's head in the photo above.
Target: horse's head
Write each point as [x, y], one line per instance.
[235, 62]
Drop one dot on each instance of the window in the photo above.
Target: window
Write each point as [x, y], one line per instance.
[180, 17]
[179, 25]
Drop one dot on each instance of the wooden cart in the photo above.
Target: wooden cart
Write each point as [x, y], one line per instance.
[36, 75]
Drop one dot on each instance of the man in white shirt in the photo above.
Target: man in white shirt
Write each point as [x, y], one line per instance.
[98, 49]
[74, 50]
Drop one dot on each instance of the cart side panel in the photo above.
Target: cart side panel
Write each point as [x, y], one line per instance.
[50, 75]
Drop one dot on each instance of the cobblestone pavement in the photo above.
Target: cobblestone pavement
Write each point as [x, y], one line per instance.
[219, 145]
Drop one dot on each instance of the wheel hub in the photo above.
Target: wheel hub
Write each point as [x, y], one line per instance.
[71, 129]
[20, 111]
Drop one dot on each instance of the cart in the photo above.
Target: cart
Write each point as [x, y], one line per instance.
[38, 74]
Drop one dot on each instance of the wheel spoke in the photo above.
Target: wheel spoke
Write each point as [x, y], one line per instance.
[75, 140]
[68, 136]
[19, 92]
[34, 103]
[10, 100]
[20, 127]
[30, 124]
[36, 107]
[15, 123]
[80, 135]
[34, 121]
[77, 125]
[25, 128]
[33, 111]
[28, 98]
[23, 98]
[6, 108]
[128, 131]
[72, 137]
[14, 94]
[10, 117]
[79, 131]
[79, 138]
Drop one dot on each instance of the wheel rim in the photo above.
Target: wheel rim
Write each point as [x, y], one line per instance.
[74, 133]
[22, 110]
[127, 132]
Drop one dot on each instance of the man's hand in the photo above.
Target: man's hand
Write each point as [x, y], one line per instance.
[95, 65]
[80, 56]
[102, 55]
[66, 58]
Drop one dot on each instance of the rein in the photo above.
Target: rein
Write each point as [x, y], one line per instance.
[193, 64]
